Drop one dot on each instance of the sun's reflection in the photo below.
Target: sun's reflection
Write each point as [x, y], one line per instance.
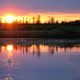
[10, 48]
[13, 50]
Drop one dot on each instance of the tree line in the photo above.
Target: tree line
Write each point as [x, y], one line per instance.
[37, 20]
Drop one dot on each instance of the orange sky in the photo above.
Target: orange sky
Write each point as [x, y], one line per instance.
[45, 16]
[58, 16]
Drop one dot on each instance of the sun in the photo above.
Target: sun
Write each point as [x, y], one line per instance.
[9, 18]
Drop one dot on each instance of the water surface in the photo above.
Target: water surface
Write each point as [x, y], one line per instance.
[39, 59]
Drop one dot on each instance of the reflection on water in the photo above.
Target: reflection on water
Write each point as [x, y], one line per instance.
[10, 48]
[37, 49]
[8, 78]
[39, 59]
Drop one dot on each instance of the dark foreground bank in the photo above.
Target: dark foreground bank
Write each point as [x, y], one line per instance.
[65, 30]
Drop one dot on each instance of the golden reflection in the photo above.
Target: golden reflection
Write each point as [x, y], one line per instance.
[10, 48]
[36, 50]
[12, 52]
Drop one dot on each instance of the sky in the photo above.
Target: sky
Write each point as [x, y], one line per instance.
[63, 8]
[24, 6]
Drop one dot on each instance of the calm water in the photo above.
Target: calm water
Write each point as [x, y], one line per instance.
[44, 59]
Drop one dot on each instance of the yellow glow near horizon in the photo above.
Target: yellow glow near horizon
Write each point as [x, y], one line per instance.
[8, 19]
[44, 17]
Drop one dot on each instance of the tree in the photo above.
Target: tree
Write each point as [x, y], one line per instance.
[33, 19]
[23, 20]
[57, 22]
[26, 21]
[0, 20]
[52, 20]
[38, 19]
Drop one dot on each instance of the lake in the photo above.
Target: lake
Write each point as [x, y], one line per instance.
[39, 59]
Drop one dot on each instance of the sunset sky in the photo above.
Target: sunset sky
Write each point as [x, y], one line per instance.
[59, 9]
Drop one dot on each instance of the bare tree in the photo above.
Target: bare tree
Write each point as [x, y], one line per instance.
[26, 21]
[33, 19]
[0, 20]
[51, 20]
[38, 19]
[23, 20]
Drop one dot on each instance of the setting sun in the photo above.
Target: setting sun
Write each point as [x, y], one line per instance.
[8, 19]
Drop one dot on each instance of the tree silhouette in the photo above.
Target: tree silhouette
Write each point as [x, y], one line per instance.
[51, 20]
[38, 19]
[0, 20]
[23, 20]
[33, 19]
[26, 21]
